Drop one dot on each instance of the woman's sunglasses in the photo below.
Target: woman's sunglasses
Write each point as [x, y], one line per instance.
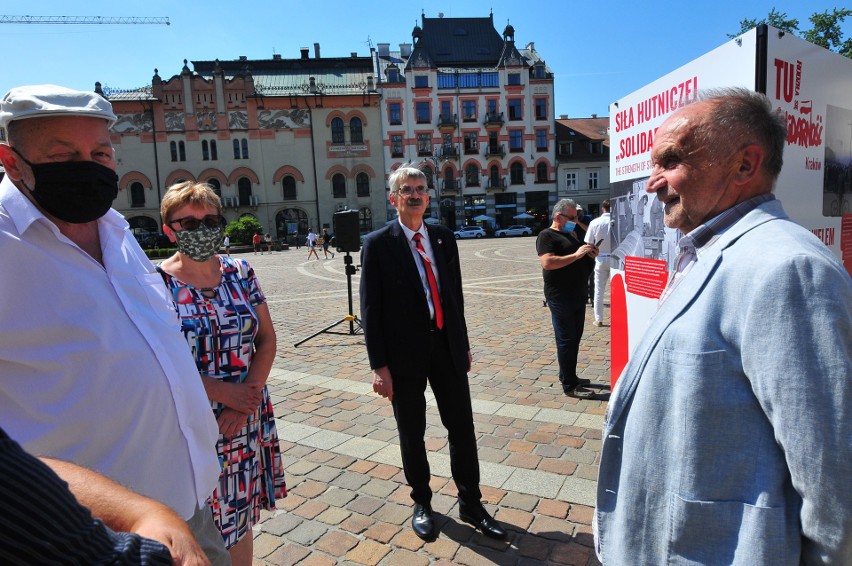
[191, 223]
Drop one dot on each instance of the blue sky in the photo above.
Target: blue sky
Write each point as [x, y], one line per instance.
[599, 50]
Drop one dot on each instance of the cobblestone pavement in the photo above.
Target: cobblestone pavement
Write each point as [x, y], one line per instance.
[348, 500]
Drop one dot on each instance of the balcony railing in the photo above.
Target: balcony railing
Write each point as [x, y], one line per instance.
[493, 119]
[445, 121]
[450, 186]
[448, 151]
[492, 150]
[498, 184]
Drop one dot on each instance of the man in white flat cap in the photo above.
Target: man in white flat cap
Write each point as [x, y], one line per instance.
[93, 368]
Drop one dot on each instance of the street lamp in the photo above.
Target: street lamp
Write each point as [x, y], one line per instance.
[436, 159]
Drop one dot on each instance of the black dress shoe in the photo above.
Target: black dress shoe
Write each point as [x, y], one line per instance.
[480, 519]
[422, 522]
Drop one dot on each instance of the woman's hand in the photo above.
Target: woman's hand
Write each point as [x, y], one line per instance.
[242, 397]
[231, 422]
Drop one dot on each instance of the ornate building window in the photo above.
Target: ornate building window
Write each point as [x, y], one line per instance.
[288, 184]
[424, 144]
[471, 176]
[395, 113]
[338, 186]
[516, 140]
[244, 191]
[337, 136]
[215, 185]
[516, 173]
[541, 109]
[469, 111]
[396, 145]
[356, 131]
[541, 139]
[137, 195]
[423, 112]
[365, 220]
[516, 109]
[362, 185]
[593, 180]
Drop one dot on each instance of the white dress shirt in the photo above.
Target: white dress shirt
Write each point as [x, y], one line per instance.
[427, 248]
[93, 367]
[599, 230]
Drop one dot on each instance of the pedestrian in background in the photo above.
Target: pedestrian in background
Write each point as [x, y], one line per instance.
[326, 243]
[256, 241]
[598, 235]
[311, 242]
[566, 264]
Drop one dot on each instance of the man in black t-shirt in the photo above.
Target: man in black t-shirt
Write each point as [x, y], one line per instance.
[566, 264]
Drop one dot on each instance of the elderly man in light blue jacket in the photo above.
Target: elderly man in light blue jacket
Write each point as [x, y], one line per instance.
[728, 438]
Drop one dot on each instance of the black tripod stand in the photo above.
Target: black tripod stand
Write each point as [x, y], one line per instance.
[350, 318]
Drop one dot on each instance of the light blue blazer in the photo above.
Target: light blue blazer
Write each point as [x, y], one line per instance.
[728, 438]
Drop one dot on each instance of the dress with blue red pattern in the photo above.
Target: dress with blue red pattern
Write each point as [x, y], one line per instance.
[220, 325]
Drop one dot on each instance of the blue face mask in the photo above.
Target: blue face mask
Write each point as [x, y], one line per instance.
[569, 227]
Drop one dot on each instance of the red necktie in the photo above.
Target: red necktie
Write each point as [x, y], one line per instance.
[430, 277]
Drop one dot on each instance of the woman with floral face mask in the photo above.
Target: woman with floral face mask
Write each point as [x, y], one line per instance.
[226, 322]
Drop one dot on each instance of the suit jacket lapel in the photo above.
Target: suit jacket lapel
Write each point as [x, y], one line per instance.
[679, 301]
[405, 259]
[440, 257]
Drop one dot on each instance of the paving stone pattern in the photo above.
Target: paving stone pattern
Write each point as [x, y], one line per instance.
[348, 500]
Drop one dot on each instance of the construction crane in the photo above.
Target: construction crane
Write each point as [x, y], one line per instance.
[81, 20]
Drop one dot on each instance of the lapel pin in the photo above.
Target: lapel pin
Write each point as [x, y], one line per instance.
[440, 241]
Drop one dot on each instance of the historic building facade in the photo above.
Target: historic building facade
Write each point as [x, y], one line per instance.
[476, 114]
[288, 141]
[582, 153]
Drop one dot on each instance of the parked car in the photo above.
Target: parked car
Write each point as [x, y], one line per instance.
[149, 240]
[470, 232]
[516, 230]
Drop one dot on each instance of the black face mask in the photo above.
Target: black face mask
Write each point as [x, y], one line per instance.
[73, 191]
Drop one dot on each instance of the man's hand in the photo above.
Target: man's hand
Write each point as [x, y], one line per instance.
[123, 510]
[587, 249]
[167, 528]
[231, 421]
[383, 382]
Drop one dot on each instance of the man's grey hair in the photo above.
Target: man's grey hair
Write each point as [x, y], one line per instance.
[739, 117]
[397, 177]
[563, 205]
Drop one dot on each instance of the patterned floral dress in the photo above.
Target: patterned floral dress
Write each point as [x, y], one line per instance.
[220, 325]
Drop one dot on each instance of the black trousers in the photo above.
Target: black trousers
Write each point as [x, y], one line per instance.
[452, 394]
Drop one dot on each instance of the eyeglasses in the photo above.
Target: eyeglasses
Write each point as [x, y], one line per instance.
[191, 223]
[571, 218]
[406, 190]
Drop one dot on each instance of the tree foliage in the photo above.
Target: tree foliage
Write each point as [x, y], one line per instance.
[241, 230]
[825, 30]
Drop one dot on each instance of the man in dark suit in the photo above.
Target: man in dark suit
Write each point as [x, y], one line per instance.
[412, 312]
